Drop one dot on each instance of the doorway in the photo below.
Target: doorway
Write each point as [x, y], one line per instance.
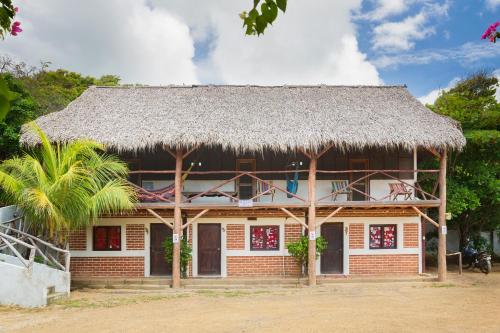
[363, 185]
[158, 265]
[332, 259]
[209, 249]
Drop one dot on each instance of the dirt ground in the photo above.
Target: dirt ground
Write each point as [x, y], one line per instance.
[470, 303]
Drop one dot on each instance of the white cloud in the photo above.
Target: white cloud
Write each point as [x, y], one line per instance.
[401, 35]
[466, 54]
[310, 44]
[493, 3]
[431, 97]
[386, 8]
[123, 37]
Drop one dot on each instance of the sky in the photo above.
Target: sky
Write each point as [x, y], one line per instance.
[426, 45]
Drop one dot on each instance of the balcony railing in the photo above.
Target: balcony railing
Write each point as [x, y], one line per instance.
[334, 188]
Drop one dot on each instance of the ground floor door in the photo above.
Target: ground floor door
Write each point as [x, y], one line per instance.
[332, 260]
[158, 265]
[209, 249]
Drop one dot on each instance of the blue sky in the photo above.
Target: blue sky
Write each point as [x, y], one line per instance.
[425, 44]
[464, 23]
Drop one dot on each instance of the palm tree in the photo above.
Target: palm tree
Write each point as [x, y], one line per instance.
[63, 186]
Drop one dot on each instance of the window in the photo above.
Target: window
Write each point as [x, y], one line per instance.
[107, 238]
[383, 236]
[264, 238]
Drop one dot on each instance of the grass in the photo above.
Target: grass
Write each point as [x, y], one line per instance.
[113, 301]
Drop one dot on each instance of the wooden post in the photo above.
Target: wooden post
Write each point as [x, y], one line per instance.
[311, 220]
[176, 263]
[442, 219]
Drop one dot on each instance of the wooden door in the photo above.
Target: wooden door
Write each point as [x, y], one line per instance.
[245, 184]
[158, 265]
[363, 185]
[332, 260]
[209, 248]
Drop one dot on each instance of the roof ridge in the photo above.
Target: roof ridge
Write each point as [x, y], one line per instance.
[248, 85]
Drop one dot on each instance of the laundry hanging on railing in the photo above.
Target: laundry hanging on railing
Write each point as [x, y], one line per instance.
[292, 185]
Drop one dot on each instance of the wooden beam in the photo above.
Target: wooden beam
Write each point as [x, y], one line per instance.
[419, 212]
[287, 212]
[311, 220]
[302, 150]
[176, 262]
[327, 148]
[200, 214]
[152, 212]
[329, 216]
[442, 219]
[170, 152]
[187, 153]
[434, 152]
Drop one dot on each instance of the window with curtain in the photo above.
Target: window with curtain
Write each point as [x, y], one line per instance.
[107, 238]
[264, 238]
[383, 236]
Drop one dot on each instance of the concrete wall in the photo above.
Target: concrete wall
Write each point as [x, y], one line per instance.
[29, 289]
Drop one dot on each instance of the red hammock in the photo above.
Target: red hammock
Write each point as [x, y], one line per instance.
[155, 195]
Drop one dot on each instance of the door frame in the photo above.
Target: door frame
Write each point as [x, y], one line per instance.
[148, 258]
[194, 245]
[344, 250]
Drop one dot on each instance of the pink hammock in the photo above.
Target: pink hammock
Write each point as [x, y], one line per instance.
[155, 195]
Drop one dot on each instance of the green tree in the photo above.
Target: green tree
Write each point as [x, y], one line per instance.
[54, 90]
[60, 187]
[23, 109]
[300, 249]
[473, 174]
[186, 250]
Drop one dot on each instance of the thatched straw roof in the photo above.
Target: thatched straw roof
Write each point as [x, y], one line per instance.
[251, 118]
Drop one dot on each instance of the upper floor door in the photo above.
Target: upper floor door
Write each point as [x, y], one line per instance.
[362, 186]
[245, 184]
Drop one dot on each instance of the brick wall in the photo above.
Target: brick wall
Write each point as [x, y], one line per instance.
[78, 240]
[410, 235]
[262, 266]
[235, 236]
[356, 236]
[107, 267]
[135, 236]
[292, 233]
[383, 264]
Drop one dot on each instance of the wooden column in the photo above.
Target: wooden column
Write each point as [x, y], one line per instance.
[442, 218]
[176, 263]
[311, 220]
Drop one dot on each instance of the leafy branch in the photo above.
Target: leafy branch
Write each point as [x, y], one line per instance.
[257, 21]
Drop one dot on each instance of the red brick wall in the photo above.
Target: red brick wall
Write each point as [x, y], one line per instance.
[135, 236]
[356, 236]
[78, 240]
[235, 236]
[262, 266]
[107, 267]
[410, 235]
[292, 233]
[383, 264]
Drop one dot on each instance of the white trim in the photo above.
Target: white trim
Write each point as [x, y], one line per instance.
[100, 254]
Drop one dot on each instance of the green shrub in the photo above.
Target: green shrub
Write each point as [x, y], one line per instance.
[299, 249]
[186, 250]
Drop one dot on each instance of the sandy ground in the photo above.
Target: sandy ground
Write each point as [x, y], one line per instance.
[470, 303]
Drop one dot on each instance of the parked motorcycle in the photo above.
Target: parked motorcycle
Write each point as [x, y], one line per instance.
[476, 259]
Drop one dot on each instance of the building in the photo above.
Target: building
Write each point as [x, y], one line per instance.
[241, 171]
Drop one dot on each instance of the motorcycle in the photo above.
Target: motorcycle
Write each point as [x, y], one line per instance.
[476, 259]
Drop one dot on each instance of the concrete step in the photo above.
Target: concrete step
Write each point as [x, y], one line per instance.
[53, 297]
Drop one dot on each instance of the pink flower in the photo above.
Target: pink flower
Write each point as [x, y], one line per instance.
[491, 30]
[15, 29]
[16, 9]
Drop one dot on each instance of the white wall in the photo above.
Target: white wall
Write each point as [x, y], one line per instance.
[29, 288]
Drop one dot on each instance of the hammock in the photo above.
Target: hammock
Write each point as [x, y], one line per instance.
[164, 192]
[292, 185]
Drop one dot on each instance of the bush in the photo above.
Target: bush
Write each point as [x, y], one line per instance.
[299, 250]
[186, 250]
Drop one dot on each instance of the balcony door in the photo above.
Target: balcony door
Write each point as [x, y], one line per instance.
[245, 184]
[363, 185]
